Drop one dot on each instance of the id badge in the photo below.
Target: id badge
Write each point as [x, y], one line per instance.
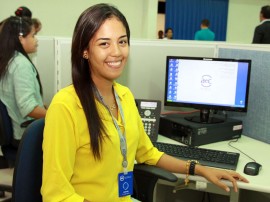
[125, 184]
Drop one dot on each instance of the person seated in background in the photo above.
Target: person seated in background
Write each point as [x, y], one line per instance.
[205, 34]
[262, 31]
[168, 33]
[20, 86]
[93, 131]
[160, 34]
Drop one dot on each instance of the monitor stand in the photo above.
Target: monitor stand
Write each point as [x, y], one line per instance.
[204, 118]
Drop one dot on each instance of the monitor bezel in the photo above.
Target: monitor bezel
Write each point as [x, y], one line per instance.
[207, 106]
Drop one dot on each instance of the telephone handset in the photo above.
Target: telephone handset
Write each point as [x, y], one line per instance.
[150, 113]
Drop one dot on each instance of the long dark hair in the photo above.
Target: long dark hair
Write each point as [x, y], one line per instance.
[12, 28]
[87, 25]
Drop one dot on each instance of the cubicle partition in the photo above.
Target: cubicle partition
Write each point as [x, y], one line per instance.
[144, 73]
[257, 119]
[44, 59]
[63, 62]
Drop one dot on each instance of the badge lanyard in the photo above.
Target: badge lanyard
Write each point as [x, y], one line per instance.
[123, 143]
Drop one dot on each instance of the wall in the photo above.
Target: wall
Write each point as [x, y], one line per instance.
[59, 17]
[44, 59]
[160, 24]
[243, 17]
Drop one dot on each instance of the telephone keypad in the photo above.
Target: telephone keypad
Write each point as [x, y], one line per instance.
[149, 121]
[149, 111]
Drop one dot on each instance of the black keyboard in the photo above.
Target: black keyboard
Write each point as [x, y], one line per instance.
[207, 157]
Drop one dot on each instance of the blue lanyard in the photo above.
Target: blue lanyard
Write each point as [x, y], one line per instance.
[122, 137]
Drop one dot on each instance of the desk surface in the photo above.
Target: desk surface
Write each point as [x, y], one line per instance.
[255, 149]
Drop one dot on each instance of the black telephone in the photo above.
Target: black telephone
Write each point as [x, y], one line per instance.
[150, 113]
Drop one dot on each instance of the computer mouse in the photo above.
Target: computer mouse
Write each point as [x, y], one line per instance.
[252, 168]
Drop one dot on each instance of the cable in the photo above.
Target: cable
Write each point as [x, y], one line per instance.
[235, 140]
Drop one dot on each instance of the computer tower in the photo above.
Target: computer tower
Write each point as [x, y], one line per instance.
[176, 127]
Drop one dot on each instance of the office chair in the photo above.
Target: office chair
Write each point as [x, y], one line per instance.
[6, 136]
[9, 152]
[27, 176]
[145, 179]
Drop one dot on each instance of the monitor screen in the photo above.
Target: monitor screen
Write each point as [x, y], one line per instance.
[207, 83]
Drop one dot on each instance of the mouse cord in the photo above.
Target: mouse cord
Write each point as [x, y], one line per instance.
[235, 140]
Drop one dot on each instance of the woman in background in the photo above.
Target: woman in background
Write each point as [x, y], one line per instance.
[168, 34]
[20, 86]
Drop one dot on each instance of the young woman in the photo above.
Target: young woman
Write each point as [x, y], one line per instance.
[93, 131]
[20, 87]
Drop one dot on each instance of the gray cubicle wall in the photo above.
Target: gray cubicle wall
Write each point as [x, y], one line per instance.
[145, 72]
[257, 120]
[44, 59]
[63, 62]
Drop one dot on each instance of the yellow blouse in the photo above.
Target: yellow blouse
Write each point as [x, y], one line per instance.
[70, 172]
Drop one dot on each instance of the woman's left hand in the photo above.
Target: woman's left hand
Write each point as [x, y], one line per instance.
[215, 175]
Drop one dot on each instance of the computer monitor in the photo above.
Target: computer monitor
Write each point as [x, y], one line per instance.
[207, 84]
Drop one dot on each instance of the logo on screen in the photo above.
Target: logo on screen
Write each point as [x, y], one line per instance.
[206, 81]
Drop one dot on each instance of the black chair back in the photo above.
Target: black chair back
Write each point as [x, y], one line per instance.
[5, 126]
[27, 178]
[6, 136]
